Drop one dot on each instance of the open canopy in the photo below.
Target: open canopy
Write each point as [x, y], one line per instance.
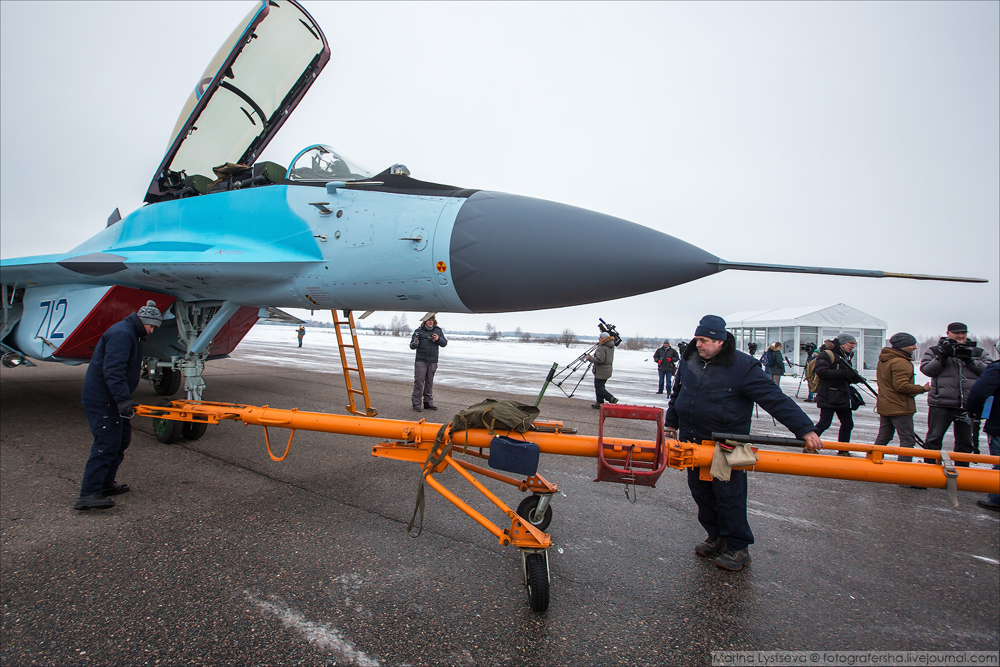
[247, 92]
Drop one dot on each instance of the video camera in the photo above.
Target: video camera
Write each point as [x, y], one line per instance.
[609, 329]
[948, 348]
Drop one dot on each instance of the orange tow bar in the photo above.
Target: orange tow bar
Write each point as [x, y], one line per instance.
[431, 446]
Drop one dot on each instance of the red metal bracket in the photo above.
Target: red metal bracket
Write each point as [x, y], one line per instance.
[630, 471]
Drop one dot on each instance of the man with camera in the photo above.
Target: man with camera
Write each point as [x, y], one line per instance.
[953, 365]
[426, 340]
[603, 360]
[834, 393]
[666, 359]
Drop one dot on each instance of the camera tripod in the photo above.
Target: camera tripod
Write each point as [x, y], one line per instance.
[572, 367]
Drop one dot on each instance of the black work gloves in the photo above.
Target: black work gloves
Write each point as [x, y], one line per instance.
[126, 409]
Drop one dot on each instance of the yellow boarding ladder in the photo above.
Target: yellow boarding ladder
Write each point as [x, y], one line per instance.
[339, 322]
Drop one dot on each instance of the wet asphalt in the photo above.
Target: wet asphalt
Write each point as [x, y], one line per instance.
[220, 556]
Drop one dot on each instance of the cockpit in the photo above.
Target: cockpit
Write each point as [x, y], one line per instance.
[322, 163]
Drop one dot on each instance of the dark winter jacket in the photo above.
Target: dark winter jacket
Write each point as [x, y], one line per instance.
[836, 375]
[987, 385]
[115, 366]
[777, 365]
[427, 349]
[895, 384]
[951, 378]
[666, 359]
[717, 396]
[604, 357]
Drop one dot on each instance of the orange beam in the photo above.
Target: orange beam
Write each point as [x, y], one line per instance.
[872, 468]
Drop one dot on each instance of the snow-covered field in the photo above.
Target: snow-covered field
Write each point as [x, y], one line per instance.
[520, 368]
[503, 366]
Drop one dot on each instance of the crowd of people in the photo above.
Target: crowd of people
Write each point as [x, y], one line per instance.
[716, 387]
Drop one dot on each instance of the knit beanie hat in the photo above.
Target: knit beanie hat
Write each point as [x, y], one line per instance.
[711, 326]
[150, 314]
[901, 340]
[846, 338]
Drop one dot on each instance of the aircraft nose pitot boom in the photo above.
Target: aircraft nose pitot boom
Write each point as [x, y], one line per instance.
[512, 253]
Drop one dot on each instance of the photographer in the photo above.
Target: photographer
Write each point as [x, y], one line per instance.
[602, 360]
[666, 359]
[426, 340]
[834, 392]
[953, 365]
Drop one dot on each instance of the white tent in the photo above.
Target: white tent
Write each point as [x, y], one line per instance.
[797, 327]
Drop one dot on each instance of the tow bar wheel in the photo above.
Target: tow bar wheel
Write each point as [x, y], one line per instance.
[527, 510]
[536, 578]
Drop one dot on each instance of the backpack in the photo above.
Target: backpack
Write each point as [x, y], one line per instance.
[496, 415]
[765, 359]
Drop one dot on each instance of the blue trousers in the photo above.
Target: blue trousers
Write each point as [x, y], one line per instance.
[995, 451]
[722, 507]
[112, 435]
[668, 377]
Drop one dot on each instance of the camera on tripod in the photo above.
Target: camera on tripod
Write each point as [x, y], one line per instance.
[609, 329]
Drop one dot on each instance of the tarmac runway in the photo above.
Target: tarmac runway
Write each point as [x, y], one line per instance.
[220, 556]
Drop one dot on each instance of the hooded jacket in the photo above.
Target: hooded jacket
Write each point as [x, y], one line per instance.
[604, 357]
[895, 384]
[777, 365]
[951, 377]
[113, 373]
[717, 395]
[987, 385]
[427, 349]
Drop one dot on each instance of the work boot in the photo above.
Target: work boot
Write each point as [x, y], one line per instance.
[429, 406]
[733, 560]
[417, 408]
[988, 505]
[114, 490]
[843, 453]
[613, 400]
[93, 502]
[596, 406]
[712, 546]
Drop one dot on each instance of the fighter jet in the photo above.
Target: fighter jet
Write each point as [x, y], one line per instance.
[223, 239]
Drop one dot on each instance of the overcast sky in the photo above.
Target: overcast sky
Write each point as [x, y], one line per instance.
[861, 135]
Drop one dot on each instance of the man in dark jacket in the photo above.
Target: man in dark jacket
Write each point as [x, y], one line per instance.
[988, 387]
[426, 340]
[715, 391]
[666, 359]
[833, 395]
[953, 365]
[112, 376]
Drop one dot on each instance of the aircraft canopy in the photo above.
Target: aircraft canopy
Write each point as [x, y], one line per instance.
[322, 163]
[246, 93]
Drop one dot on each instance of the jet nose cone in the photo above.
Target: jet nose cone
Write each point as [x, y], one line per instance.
[512, 253]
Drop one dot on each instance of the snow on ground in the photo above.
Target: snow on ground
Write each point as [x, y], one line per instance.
[514, 367]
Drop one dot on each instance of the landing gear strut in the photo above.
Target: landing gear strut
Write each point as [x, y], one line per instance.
[197, 324]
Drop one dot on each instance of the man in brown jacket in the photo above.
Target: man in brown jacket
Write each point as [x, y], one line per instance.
[895, 404]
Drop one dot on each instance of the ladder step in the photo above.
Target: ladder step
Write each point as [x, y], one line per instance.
[355, 391]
